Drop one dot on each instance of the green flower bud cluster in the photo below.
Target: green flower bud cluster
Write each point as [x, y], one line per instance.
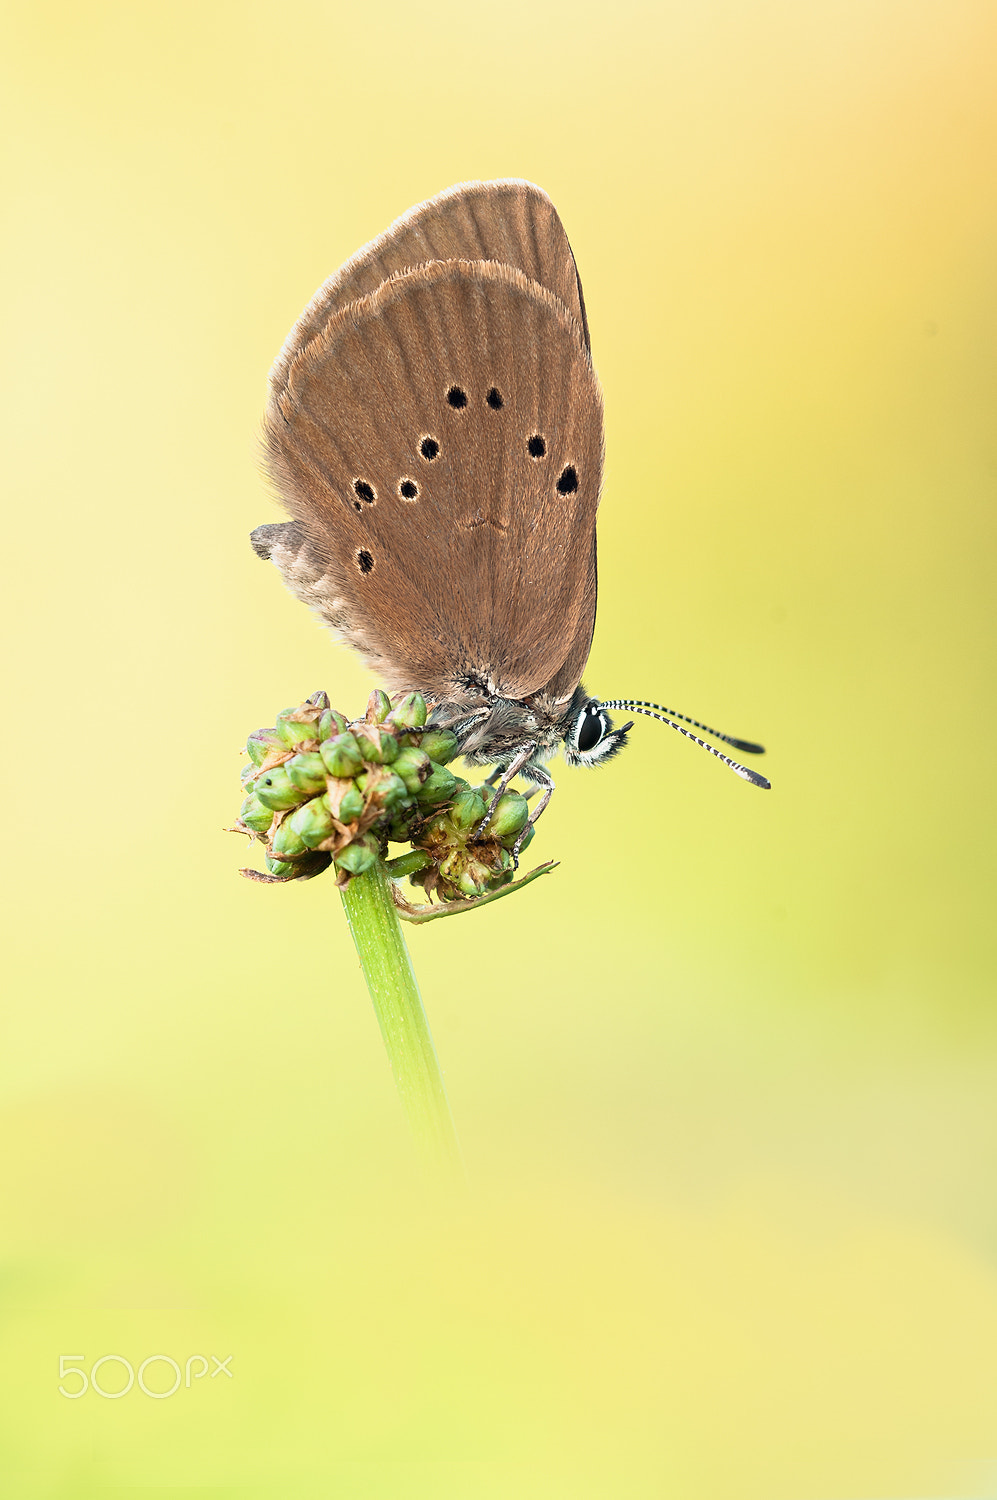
[448, 859]
[322, 791]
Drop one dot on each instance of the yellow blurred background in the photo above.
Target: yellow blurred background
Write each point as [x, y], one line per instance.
[725, 1082]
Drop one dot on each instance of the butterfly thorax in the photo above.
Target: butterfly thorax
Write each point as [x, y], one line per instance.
[493, 731]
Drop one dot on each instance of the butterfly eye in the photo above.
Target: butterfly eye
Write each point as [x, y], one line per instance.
[591, 729]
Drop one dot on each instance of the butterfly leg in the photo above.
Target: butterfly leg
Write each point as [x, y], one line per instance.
[491, 780]
[546, 785]
[512, 769]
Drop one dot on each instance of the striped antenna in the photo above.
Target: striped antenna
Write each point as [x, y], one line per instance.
[668, 716]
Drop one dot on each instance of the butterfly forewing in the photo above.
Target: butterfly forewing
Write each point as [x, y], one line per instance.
[439, 443]
[510, 221]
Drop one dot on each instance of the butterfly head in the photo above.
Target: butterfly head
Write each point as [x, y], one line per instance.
[589, 736]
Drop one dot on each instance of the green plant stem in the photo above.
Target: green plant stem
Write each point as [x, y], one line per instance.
[387, 968]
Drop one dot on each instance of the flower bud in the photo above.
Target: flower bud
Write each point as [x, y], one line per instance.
[279, 868]
[383, 788]
[286, 843]
[468, 808]
[440, 745]
[410, 713]
[276, 789]
[351, 805]
[467, 874]
[437, 787]
[313, 822]
[413, 766]
[331, 723]
[402, 820]
[437, 830]
[376, 745]
[299, 727]
[261, 743]
[511, 815]
[307, 771]
[341, 755]
[357, 857]
[378, 707]
[256, 815]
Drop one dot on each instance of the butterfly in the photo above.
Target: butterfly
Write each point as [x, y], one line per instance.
[434, 429]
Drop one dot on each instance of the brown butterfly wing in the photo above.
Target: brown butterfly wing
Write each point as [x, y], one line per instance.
[508, 220]
[467, 560]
